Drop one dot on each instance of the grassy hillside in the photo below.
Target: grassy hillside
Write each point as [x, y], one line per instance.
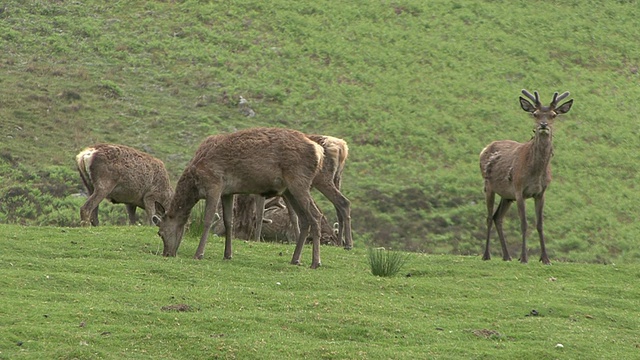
[104, 293]
[416, 88]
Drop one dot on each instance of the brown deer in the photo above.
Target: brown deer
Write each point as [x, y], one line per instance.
[122, 174]
[277, 225]
[328, 181]
[244, 216]
[518, 171]
[263, 161]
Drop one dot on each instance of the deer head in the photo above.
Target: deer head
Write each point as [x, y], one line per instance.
[544, 115]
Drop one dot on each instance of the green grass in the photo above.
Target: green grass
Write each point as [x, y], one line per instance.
[100, 292]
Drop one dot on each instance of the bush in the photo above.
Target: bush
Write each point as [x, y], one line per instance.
[386, 263]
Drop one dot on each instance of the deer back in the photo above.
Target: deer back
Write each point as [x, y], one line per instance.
[256, 161]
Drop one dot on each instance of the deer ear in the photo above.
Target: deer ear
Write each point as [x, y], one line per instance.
[526, 105]
[564, 108]
[160, 209]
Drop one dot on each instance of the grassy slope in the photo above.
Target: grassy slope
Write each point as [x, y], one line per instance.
[417, 89]
[99, 293]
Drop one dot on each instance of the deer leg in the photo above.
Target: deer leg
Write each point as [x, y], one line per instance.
[490, 200]
[539, 204]
[259, 216]
[227, 219]
[94, 216]
[210, 215]
[88, 211]
[303, 218]
[523, 228]
[293, 219]
[314, 217]
[131, 212]
[498, 219]
[343, 210]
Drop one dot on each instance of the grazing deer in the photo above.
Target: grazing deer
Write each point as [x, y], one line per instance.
[518, 171]
[328, 181]
[122, 174]
[263, 161]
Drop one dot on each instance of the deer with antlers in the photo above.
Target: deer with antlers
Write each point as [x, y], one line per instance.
[122, 174]
[518, 171]
[262, 161]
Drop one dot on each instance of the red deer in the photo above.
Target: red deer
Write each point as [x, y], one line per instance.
[518, 171]
[244, 216]
[328, 181]
[262, 161]
[122, 174]
[277, 225]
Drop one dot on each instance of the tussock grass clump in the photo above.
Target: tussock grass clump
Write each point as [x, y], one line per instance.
[386, 263]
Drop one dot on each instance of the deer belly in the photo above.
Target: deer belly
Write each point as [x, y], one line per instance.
[254, 185]
[533, 190]
[122, 196]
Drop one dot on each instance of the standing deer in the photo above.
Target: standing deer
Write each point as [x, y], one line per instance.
[328, 181]
[518, 171]
[122, 174]
[263, 161]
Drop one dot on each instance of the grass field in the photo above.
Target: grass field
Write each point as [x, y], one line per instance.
[416, 88]
[72, 293]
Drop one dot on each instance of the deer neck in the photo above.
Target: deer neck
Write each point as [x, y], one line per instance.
[185, 197]
[541, 151]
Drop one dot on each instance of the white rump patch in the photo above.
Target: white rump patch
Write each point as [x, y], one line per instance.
[83, 159]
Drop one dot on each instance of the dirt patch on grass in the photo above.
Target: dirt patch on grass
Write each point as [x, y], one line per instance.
[486, 333]
[177, 307]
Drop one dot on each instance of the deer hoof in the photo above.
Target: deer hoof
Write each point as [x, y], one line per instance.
[198, 257]
[348, 247]
[315, 266]
[296, 262]
[227, 257]
[486, 257]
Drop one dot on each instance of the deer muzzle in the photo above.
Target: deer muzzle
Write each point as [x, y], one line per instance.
[169, 250]
[544, 128]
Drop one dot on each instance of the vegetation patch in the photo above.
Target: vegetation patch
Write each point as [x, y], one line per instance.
[106, 292]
